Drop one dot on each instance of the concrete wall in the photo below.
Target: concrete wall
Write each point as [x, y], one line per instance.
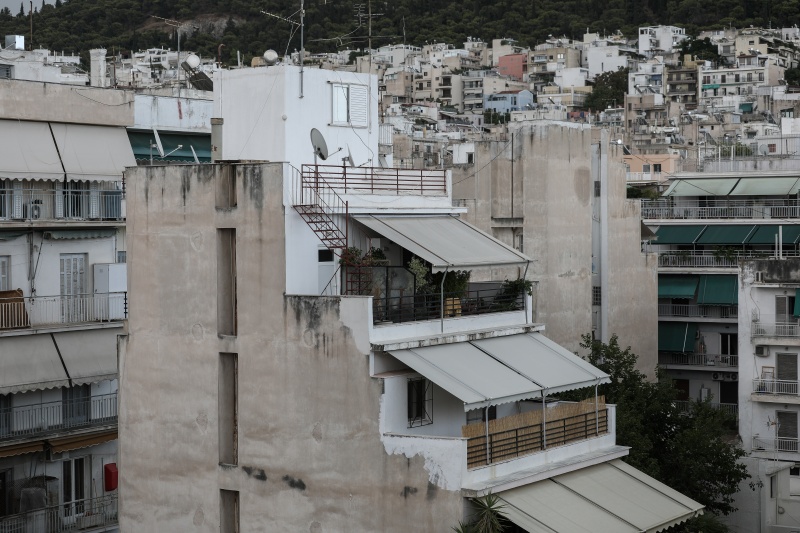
[310, 457]
[22, 100]
[551, 184]
[174, 114]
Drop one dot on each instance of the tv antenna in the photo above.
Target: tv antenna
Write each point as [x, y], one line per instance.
[301, 25]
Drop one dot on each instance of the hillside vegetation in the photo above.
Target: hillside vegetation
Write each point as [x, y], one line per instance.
[79, 25]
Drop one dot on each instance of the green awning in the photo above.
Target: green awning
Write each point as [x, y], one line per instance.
[718, 290]
[782, 186]
[679, 234]
[702, 187]
[11, 235]
[731, 235]
[766, 234]
[141, 141]
[796, 303]
[677, 286]
[79, 234]
[746, 107]
[676, 336]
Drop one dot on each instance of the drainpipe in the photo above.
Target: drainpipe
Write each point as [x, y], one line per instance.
[544, 421]
[216, 139]
[441, 301]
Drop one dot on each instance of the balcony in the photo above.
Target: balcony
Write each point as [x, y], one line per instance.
[730, 408]
[88, 514]
[20, 312]
[699, 359]
[373, 180]
[642, 177]
[31, 205]
[775, 386]
[775, 444]
[712, 259]
[769, 327]
[698, 311]
[721, 209]
[28, 421]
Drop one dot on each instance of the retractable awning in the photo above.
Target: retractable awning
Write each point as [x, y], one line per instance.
[30, 362]
[679, 234]
[781, 186]
[27, 151]
[702, 187]
[94, 153]
[677, 286]
[735, 234]
[76, 442]
[501, 369]
[766, 234]
[75, 234]
[610, 497]
[718, 289]
[676, 336]
[445, 241]
[90, 356]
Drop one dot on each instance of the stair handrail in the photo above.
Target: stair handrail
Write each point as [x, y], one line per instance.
[317, 191]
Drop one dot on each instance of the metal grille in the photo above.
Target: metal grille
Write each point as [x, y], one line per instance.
[420, 402]
[596, 295]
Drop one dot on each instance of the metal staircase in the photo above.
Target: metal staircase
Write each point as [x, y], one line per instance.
[320, 206]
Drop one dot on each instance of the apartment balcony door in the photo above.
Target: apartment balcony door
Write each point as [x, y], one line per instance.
[786, 372]
[75, 405]
[74, 300]
[73, 486]
[787, 431]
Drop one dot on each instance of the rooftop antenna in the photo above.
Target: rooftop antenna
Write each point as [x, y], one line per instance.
[302, 36]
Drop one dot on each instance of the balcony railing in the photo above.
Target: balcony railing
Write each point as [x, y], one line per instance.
[78, 515]
[775, 444]
[661, 209]
[698, 311]
[41, 311]
[33, 204]
[730, 408]
[711, 259]
[526, 440]
[398, 309]
[766, 327]
[642, 176]
[699, 359]
[424, 182]
[775, 386]
[43, 418]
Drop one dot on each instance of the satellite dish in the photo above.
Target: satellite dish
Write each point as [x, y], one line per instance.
[193, 61]
[763, 149]
[270, 57]
[159, 146]
[319, 144]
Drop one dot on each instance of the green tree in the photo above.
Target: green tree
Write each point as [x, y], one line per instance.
[690, 451]
[609, 90]
[792, 76]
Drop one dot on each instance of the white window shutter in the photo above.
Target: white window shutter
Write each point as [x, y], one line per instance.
[339, 98]
[4, 268]
[359, 105]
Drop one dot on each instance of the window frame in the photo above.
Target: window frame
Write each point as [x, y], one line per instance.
[419, 402]
[342, 111]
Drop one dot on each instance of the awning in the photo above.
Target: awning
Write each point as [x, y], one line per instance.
[501, 369]
[746, 107]
[444, 241]
[95, 153]
[766, 234]
[702, 187]
[90, 356]
[670, 286]
[140, 143]
[783, 186]
[679, 234]
[30, 362]
[647, 233]
[27, 151]
[676, 336]
[610, 497]
[22, 448]
[718, 289]
[77, 442]
[11, 235]
[67, 234]
[735, 234]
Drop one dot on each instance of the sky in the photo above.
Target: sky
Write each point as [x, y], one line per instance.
[13, 5]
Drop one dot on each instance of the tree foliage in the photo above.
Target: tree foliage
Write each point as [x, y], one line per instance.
[693, 451]
[609, 90]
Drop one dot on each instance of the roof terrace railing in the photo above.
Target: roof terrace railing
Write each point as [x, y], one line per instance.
[372, 180]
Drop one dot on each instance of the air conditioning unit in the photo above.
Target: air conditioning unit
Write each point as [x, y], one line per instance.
[717, 376]
[762, 351]
[733, 376]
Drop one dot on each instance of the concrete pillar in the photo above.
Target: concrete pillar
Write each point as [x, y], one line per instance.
[97, 71]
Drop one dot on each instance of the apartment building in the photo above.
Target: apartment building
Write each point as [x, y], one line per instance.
[658, 40]
[329, 389]
[63, 299]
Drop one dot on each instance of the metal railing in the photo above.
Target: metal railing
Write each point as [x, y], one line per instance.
[698, 359]
[77, 515]
[398, 309]
[730, 408]
[709, 258]
[775, 386]
[775, 444]
[37, 311]
[698, 311]
[44, 418]
[504, 445]
[432, 182]
[642, 176]
[34, 204]
[662, 209]
[764, 327]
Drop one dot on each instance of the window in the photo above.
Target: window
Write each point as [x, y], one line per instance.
[596, 295]
[122, 256]
[736, 78]
[729, 344]
[420, 402]
[470, 158]
[350, 105]
[227, 408]
[646, 168]
[657, 167]
[784, 309]
[7, 72]
[75, 405]
[772, 148]
[226, 281]
[749, 76]
[228, 511]
[479, 415]
[597, 189]
[73, 485]
[760, 76]
[723, 78]
[787, 430]
[5, 272]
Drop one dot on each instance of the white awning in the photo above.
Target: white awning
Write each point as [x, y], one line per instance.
[766, 187]
[90, 356]
[702, 187]
[93, 153]
[611, 497]
[30, 362]
[445, 241]
[501, 369]
[27, 151]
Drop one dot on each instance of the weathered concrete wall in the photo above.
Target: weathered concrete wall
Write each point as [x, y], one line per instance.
[22, 100]
[310, 457]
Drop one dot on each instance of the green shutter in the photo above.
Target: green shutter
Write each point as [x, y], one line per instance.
[678, 234]
[676, 336]
[718, 290]
[766, 234]
[733, 235]
[677, 286]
